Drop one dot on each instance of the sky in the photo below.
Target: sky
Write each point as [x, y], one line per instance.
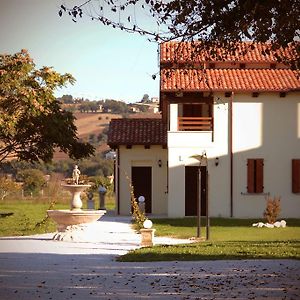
[107, 63]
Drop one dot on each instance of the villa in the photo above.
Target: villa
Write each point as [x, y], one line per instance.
[229, 132]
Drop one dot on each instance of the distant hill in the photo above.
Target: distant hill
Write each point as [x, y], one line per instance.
[89, 124]
[93, 124]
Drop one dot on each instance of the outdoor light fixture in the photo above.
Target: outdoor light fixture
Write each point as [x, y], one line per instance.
[217, 161]
[159, 163]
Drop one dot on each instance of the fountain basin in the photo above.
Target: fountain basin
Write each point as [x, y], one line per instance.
[66, 217]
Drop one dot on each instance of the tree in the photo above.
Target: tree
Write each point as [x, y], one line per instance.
[93, 106]
[66, 99]
[145, 98]
[7, 186]
[84, 106]
[117, 107]
[33, 180]
[213, 22]
[32, 123]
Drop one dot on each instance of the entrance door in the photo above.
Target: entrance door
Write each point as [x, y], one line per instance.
[192, 190]
[142, 184]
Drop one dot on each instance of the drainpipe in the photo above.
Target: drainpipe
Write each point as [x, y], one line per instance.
[118, 180]
[231, 153]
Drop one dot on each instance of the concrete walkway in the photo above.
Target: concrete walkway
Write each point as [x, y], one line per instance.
[36, 267]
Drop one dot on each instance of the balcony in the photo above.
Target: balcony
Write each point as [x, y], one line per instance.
[195, 124]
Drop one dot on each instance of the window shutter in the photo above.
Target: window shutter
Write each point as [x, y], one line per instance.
[250, 176]
[296, 175]
[259, 178]
[255, 175]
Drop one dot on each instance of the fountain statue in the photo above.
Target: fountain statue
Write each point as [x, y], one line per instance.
[76, 174]
[75, 218]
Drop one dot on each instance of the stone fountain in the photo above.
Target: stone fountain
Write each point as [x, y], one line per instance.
[73, 223]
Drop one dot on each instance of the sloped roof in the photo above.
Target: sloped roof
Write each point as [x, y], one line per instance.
[258, 80]
[137, 132]
[245, 52]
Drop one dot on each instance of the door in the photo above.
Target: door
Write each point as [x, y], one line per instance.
[142, 185]
[192, 188]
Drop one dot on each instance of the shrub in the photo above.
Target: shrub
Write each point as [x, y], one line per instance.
[138, 216]
[272, 209]
[7, 186]
[33, 180]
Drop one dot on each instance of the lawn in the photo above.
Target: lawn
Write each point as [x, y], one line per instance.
[229, 239]
[28, 212]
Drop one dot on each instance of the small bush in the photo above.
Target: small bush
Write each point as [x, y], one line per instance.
[7, 186]
[272, 210]
[138, 216]
[33, 180]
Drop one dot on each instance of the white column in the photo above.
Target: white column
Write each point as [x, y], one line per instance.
[173, 117]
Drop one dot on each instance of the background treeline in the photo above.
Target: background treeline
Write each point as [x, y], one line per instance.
[19, 179]
[95, 166]
[105, 106]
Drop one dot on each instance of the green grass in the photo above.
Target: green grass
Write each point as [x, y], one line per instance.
[229, 239]
[222, 229]
[217, 251]
[26, 214]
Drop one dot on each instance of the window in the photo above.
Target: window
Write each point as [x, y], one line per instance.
[255, 176]
[296, 175]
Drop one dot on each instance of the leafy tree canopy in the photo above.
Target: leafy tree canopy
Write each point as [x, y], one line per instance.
[32, 123]
[87, 106]
[33, 180]
[213, 22]
[116, 107]
[7, 186]
[145, 98]
[66, 99]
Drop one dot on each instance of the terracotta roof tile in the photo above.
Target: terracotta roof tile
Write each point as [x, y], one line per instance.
[246, 52]
[229, 80]
[137, 132]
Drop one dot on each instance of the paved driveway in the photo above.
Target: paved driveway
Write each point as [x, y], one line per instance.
[36, 267]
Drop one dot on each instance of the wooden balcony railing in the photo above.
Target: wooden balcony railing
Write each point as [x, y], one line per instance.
[195, 124]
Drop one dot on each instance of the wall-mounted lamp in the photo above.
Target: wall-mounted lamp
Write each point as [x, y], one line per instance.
[217, 161]
[159, 163]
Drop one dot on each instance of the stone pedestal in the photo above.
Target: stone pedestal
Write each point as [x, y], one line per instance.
[91, 204]
[102, 201]
[141, 203]
[76, 189]
[142, 207]
[147, 237]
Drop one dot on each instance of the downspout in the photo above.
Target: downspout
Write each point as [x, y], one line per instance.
[118, 180]
[231, 152]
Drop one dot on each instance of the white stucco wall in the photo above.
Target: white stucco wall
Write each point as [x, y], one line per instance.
[265, 127]
[139, 156]
[183, 149]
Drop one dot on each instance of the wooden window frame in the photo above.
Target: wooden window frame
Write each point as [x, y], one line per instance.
[255, 176]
